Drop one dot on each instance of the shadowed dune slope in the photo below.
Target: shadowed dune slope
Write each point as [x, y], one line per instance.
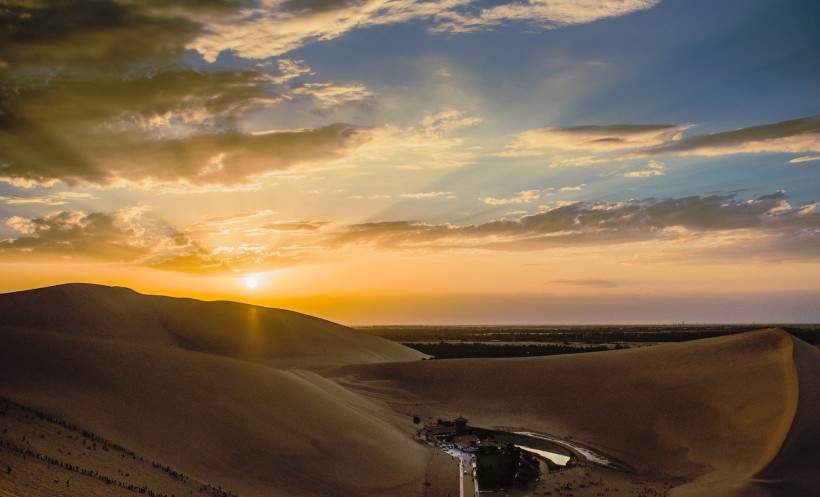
[260, 334]
[250, 428]
[794, 471]
[714, 412]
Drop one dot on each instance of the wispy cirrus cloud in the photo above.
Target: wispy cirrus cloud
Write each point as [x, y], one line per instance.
[330, 96]
[523, 197]
[295, 225]
[537, 13]
[598, 138]
[651, 169]
[793, 136]
[53, 199]
[446, 121]
[805, 158]
[424, 195]
[433, 143]
[620, 142]
[589, 282]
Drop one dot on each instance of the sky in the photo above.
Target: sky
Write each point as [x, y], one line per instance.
[419, 162]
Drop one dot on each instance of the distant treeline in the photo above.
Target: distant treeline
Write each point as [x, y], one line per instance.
[455, 350]
[579, 334]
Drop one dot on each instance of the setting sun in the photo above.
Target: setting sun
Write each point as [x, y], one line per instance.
[565, 171]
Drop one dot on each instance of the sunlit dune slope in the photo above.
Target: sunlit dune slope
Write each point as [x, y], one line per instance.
[242, 331]
[250, 428]
[715, 412]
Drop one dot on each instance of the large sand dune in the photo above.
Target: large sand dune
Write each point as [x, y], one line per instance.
[271, 403]
[713, 412]
[257, 430]
[230, 329]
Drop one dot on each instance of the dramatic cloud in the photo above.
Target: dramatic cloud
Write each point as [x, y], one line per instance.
[270, 28]
[131, 236]
[226, 159]
[102, 93]
[581, 224]
[108, 236]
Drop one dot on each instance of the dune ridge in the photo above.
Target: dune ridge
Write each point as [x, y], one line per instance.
[275, 336]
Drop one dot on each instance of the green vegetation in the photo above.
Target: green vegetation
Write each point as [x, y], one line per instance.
[501, 467]
[586, 334]
[450, 350]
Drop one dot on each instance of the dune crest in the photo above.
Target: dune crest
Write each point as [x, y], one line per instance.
[260, 334]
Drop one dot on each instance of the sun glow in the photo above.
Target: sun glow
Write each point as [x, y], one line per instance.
[251, 282]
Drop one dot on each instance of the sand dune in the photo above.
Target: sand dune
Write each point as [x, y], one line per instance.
[259, 334]
[193, 384]
[251, 428]
[714, 412]
[268, 403]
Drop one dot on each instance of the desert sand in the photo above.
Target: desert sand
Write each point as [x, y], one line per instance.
[712, 412]
[267, 402]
